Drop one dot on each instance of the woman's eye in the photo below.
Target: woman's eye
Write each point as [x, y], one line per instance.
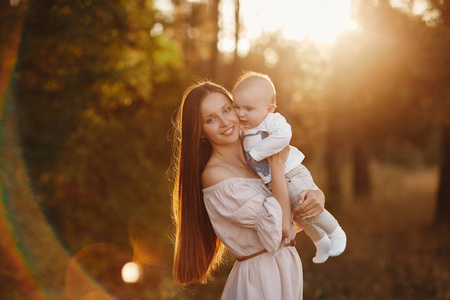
[209, 120]
[227, 109]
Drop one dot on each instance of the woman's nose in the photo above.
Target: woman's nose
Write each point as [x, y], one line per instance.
[224, 121]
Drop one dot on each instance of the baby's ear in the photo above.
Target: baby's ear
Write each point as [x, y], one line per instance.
[272, 108]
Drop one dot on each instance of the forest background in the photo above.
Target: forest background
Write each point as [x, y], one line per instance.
[88, 92]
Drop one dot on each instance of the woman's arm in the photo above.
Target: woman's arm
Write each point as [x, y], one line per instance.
[279, 188]
[312, 203]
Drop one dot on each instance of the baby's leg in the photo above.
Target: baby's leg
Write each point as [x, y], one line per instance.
[319, 237]
[330, 225]
[326, 221]
[300, 179]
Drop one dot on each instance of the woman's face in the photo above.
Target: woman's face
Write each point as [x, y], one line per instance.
[219, 121]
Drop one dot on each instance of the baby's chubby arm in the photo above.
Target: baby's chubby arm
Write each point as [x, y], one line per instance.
[279, 137]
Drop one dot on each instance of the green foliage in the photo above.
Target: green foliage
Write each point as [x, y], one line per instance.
[95, 93]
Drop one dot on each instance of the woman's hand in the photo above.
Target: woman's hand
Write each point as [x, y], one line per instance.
[312, 203]
[279, 157]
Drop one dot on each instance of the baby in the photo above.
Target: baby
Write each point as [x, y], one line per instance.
[266, 133]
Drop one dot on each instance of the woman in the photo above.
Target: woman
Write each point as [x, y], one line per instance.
[218, 200]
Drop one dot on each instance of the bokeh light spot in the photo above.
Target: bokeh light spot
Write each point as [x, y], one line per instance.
[157, 30]
[131, 272]
[96, 296]
[14, 3]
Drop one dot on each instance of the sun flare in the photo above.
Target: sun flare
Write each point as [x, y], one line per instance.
[317, 20]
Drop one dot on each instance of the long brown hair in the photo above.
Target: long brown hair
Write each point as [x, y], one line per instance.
[198, 251]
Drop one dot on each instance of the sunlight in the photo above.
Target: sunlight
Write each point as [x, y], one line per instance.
[131, 272]
[317, 20]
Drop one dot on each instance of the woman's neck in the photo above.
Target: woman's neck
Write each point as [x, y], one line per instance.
[231, 154]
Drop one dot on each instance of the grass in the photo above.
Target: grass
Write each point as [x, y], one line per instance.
[394, 250]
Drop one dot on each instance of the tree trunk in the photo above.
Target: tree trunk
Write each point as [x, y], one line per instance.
[237, 22]
[361, 171]
[443, 201]
[214, 51]
[331, 157]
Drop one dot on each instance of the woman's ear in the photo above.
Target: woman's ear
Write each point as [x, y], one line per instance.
[272, 108]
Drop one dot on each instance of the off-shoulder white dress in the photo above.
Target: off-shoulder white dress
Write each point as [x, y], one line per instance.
[247, 219]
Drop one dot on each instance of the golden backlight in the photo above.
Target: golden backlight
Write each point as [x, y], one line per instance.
[317, 20]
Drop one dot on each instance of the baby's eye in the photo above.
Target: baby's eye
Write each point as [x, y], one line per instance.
[227, 109]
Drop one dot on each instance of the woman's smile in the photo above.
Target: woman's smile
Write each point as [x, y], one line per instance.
[219, 119]
[229, 131]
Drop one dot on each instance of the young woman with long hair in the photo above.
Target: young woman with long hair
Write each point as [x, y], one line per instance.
[218, 201]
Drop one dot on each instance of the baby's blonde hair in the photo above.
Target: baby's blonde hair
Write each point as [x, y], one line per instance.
[251, 74]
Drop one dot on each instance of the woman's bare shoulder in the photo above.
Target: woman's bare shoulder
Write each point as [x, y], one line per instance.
[215, 173]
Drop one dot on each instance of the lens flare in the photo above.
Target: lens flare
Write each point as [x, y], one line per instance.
[131, 272]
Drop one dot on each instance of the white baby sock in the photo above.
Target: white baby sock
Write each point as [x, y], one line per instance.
[338, 241]
[323, 246]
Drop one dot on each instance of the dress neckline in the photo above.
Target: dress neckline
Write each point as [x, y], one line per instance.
[231, 179]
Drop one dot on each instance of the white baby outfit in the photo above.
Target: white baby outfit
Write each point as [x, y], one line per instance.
[271, 136]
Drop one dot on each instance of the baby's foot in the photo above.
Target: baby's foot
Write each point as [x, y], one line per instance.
[323, 246]
[338, 241]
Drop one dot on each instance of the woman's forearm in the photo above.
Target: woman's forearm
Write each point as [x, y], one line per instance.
[279, 192]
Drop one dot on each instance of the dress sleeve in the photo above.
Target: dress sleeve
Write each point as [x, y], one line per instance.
[248, 207]
[280, 134]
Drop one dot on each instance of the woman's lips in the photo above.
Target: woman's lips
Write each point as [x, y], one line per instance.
[229, 131]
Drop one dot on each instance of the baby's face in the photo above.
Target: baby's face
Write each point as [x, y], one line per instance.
[251, 107]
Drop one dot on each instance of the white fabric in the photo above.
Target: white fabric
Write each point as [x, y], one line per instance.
[247, 219]
[279, 137]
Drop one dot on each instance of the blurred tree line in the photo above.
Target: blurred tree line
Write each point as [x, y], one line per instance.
[379, 93]
[95, 89]
[96, 85]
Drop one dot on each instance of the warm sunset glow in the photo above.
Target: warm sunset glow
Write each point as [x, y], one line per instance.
[318, 20]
